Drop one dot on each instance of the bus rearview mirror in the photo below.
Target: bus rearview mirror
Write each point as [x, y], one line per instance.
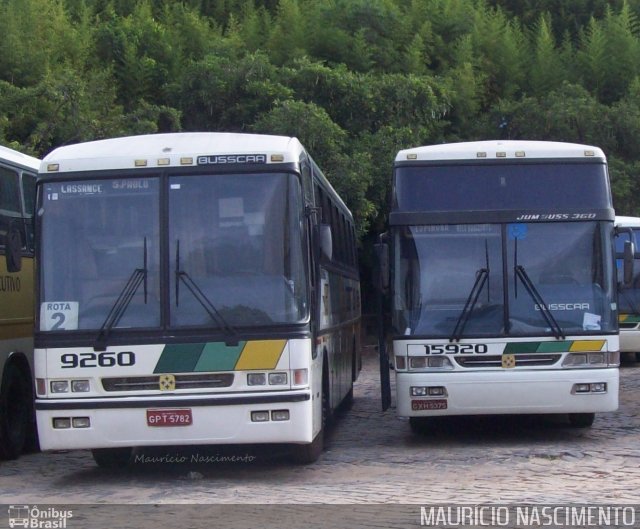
[629, 253]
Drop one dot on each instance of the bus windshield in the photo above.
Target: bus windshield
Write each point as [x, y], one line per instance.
[629, 296]
[235, 242]
[450, 280]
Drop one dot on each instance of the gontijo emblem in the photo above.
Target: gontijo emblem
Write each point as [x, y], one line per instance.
[167, 382]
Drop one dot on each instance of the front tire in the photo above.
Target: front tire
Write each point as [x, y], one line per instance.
[581, 420]
[16, 412]
[112, 457]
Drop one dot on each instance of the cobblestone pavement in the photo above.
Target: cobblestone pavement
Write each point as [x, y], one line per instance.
[370, 458]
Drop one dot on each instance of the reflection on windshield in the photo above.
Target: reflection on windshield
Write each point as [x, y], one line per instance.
[240, 240]
[94, 234]
[437, 267]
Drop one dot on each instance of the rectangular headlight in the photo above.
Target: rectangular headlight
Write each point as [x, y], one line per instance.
[277, 379]
[59, 386]
[256, 379]
[80, 386]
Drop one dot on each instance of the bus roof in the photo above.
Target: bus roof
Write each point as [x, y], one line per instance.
[18, 159]
[499, 149]
[629, 222]
[167, 150]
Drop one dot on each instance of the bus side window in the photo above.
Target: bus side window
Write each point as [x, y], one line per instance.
[11, 236]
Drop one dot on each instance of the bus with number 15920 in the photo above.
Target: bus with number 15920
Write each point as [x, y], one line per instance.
[502, 287]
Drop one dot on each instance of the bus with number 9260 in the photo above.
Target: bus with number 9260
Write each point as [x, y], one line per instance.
[193, 289]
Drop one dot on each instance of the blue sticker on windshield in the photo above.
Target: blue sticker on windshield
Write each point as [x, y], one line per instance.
[518, 231]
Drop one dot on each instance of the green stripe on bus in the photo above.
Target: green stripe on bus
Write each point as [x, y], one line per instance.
[521, 347]
[538, 347]
[216, 356]
[179, 358]
[554, 347]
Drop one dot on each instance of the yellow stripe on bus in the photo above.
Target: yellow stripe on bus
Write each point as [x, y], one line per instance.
[261, 354]
[587, 345]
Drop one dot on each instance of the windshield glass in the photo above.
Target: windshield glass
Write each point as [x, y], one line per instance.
[95, 235]
[565, 267]
[238, 240]
[629, 298]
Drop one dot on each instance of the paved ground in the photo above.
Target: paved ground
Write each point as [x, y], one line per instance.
[371, 458]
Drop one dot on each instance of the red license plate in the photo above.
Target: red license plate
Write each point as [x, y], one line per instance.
[435, 404]
[167, 417]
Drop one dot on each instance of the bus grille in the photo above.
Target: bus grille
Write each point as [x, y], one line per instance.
[522, 360]
[219, 380]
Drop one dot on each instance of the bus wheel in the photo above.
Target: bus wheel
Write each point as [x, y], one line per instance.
[15, 412]
[112, 457]
[581, 420]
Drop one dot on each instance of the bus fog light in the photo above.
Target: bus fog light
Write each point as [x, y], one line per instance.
[401, 362]
[81, 422]
[256, 379]
[280, 415]
[259, 416]
[436, 391]
[80, 386]
[59, 386]
[300, 377]
[418, 362]
[61, 423]
[599, 387]
[418, 391]
[277, 379]
[582, 388]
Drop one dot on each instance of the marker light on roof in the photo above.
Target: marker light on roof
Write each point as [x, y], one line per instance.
[412, 156]
[186, 161]
[481, 155]
[520, 154]
[501, 154]
[277, 158]
[163, 161]
[140, 163]
[53, 167]
[589, 153]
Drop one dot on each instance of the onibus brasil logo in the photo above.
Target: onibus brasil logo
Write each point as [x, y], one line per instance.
[38, 518]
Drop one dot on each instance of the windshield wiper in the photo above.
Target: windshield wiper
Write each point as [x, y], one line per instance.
[521, 274]
[201, 297]
[138, 277]
[482, 277]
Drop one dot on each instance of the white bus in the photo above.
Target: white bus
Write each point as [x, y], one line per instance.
[502, 288]
[17, 195]
[628, 231]
[195, 288]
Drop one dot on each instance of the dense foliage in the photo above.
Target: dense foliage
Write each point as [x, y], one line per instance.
[355, 80]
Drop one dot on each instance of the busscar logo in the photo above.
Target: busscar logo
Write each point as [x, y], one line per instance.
[38, 518]
[226, 159]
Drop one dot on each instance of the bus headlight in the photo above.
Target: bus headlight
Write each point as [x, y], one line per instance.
[277, 379]
[256, 379]
[80, 386]
[595, 359]
[59, 386]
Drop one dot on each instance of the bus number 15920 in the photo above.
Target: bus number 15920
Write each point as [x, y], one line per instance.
[456, 348]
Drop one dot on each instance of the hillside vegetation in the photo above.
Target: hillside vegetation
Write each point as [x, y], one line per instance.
[355, 80]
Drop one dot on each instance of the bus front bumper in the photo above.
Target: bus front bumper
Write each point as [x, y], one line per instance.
[508, 392]
[125, 422]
